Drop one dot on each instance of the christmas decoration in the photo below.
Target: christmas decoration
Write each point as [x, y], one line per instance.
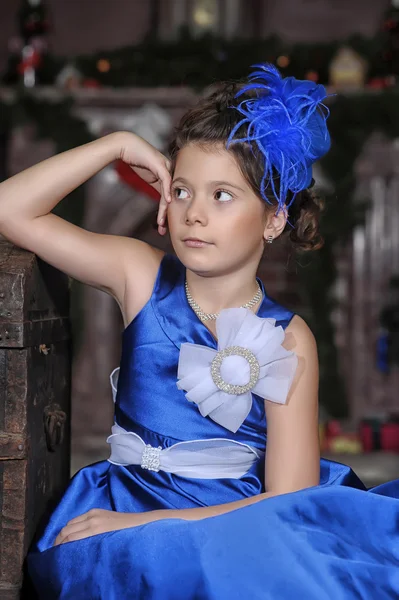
[312, 76]
[390, 40]
[381, 83]
[29, 47]
[69, 78]
[380, 433]
[200, 61]
[91, 83]
[337, 439]
[347, 70]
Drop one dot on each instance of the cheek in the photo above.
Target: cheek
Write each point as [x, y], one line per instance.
[247, 227]
[175, 220]
[173, 215]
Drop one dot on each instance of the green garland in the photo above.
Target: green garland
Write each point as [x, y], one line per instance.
[198, 62]
[353, 119]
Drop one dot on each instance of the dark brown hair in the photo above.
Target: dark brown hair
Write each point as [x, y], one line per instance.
[210, 122]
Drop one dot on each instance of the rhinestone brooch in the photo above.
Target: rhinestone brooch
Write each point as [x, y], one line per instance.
[151, 458]
[235, 390]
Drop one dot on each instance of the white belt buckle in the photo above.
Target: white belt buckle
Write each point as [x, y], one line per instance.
[151, 458]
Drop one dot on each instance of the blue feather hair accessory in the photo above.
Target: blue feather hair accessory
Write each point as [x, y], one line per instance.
[287, 121]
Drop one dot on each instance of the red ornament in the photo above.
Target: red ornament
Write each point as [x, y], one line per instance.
[133, 180]
[377, 83]
[31, 61]
[312, 76]
[91, 83]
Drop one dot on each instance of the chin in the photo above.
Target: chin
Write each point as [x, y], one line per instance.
[197, 260]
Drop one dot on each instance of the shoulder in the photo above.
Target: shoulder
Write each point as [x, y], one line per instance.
[299, 332]
[300, 339]
[142, 263]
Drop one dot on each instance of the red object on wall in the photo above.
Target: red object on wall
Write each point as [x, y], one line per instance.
[333, 428]
[367, 437]
[390, 437]
[127, 175]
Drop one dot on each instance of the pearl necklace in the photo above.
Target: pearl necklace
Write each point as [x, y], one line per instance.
[212, 316]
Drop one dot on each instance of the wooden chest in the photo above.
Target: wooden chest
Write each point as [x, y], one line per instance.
[35, 379]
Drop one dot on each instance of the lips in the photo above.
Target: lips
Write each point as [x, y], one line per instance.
[190, 239]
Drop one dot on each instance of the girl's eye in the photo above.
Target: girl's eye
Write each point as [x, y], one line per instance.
[221, 195]
[177, 191]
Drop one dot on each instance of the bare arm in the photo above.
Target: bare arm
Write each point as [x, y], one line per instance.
[26, 201]
[293, 450]
[37, 190]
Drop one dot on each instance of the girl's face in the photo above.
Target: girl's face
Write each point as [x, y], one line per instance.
[212, 202]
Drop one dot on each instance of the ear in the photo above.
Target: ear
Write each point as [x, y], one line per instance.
[275, 223]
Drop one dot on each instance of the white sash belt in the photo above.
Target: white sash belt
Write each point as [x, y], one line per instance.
[200, 459]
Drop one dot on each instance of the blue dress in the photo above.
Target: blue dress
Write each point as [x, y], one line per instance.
[334, 541]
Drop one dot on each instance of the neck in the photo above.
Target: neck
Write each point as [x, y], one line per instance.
[215, 293]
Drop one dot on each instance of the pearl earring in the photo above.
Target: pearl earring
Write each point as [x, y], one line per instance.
[270, 239]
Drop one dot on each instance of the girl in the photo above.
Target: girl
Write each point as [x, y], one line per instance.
[208, 359]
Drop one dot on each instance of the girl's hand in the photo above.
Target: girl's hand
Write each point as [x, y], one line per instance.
[98, 521]
[152, 166]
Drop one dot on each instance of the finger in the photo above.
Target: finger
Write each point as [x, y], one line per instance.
[161, 218]
[79, 519]
[93, 512]
[166, 183]
[74, 537]
[162, 226]
[67, 531]
[162, 210]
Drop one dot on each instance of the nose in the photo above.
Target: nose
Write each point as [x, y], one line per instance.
[196, 212]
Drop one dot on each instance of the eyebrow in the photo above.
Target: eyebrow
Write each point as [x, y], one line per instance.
[212, 183]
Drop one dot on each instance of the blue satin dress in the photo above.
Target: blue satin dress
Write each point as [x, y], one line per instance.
[335, 541]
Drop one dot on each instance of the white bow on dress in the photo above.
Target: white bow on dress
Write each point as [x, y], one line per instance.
[249, 359]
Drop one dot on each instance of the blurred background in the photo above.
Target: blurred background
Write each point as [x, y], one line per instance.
[75, 70]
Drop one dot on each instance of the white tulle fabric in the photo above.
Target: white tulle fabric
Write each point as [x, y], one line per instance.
[202, 459]
[237, 327]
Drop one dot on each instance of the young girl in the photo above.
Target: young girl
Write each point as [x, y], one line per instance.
[208, 359]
